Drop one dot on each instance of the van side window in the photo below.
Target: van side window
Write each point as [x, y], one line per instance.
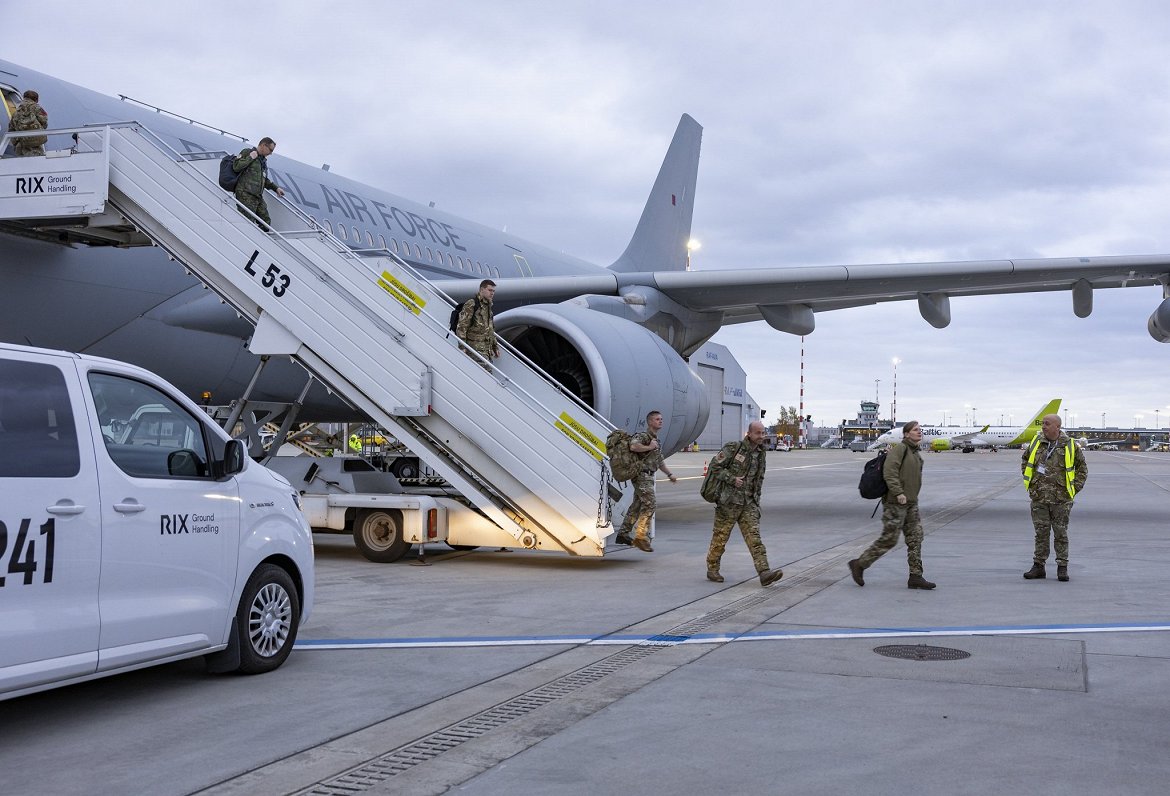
[146, 433]
[37, 436]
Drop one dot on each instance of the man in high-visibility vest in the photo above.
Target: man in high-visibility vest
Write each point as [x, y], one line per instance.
[1054, 471]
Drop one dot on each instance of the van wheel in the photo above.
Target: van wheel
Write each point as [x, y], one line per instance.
[378, 535]
[267, 619]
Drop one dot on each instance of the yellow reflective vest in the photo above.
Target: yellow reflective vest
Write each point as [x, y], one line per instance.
[1070, 457]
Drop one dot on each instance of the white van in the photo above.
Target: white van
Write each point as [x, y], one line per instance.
[133, 531]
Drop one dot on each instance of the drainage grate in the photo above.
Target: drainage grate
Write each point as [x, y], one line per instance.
[382, 768]
[921, 652]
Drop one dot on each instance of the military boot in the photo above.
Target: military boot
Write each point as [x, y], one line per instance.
[713, 574]
[624, 538]
[1035, 573]
[855, 569]
[770, 576]
[1062, 572]
[643, 544]
[918, 582]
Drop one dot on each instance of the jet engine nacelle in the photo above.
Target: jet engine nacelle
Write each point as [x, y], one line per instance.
[1159, 324]
[617, 367]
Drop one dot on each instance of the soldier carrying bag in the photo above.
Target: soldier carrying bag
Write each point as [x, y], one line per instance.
[24, 119]
[712, 486]
[623, 462]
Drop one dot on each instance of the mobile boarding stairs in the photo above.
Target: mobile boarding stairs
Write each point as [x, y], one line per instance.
[528, 455]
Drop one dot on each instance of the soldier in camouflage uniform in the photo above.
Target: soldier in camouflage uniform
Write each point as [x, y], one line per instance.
[252, 166]
[903, 475]
[29, 115]
[477, 326]
[1055, 470]
[641, 511]
[739, 470]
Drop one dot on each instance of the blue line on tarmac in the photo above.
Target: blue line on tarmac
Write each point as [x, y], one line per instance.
[721, 638]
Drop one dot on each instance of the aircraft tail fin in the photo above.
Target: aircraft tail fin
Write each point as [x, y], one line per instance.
[660, 240]
[1028, 433]
[1050, 408]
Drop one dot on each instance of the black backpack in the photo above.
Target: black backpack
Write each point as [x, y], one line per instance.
[228, 177]
[454, 323]
[872, 485]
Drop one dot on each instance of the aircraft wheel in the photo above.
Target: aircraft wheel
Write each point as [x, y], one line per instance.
[378, 535]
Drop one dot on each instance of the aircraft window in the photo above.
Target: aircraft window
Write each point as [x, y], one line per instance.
[37, 435]
[357, 236]
[369, 239]
[394, 245]
[478, 267]
[328, 226]
[461, 263]
[418, 252]
[381, 242]
[495, 271]
[429, 255]
[146, 433]
[450, 260]
[341, 233]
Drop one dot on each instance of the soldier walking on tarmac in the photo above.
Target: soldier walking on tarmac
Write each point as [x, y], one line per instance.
[739, 471]
[903, 475]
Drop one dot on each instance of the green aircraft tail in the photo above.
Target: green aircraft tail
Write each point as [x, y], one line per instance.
[1033, 425]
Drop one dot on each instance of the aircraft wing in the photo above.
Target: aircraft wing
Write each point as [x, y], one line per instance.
[970, 436]
[787, 297]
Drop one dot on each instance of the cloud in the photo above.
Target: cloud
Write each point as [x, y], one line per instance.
[844, 132]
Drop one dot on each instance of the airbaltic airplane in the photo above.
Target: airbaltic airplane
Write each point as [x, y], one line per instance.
[944, 438]
[616, 336]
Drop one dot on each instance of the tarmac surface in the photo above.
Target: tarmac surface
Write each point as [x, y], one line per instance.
[494, 672]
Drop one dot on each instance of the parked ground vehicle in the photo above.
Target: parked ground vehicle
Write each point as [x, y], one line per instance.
[133, 531]
[347, 494]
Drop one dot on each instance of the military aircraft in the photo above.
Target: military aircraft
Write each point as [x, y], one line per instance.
[615, 335]
[944, 438]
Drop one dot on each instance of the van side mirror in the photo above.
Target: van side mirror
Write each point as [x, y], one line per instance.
[233, 457]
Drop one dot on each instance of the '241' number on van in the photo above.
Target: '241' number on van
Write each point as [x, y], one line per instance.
[24, 551]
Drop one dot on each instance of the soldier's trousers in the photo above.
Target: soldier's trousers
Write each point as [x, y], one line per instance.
[1051, 517]
[897, 519]
[485, 347]
[27, 151]
[256, 205]
[748, 518]
[641, 511]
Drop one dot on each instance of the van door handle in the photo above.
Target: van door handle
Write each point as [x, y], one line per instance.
[65, 507]
[131, 506]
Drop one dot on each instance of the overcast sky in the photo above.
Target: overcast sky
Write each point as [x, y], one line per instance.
[834, 133]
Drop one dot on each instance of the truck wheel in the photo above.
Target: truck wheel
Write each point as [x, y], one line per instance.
[267, 619]
[378, 535]
[405, 467]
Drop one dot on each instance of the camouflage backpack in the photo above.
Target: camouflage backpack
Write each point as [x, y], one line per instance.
[623, 462]
[25, 118]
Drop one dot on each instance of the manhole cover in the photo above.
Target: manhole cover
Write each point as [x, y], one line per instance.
[921, 652]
